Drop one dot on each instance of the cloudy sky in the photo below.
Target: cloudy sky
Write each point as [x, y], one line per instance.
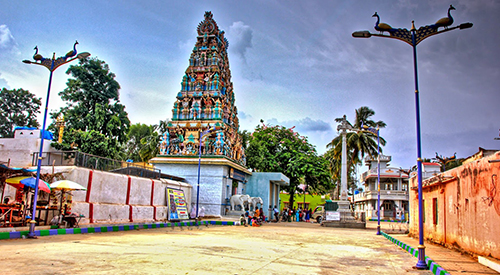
[293, 63]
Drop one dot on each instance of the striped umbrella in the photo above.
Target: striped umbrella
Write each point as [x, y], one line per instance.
[66, 185]
[20, 182]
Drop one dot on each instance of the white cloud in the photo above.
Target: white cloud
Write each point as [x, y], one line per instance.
[305, 125]
[7, 41]
[241, 38]
[3, 83]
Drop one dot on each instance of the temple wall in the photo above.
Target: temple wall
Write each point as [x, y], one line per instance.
[266, 185]
[108, 198]
[213, 184]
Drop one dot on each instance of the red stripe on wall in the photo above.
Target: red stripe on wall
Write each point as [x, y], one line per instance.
[91, 212]
[127, 201]
[129, 184]
[87, 197]
[89, 186]
[152, 197]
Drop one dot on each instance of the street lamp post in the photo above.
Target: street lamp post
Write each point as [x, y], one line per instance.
[199, 167]
[51, 64]
[413, 38]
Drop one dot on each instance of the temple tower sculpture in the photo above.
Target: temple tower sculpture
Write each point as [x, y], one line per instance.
[205, 110]
[205, 101]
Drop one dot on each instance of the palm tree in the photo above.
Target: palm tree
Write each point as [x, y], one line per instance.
[358, 143]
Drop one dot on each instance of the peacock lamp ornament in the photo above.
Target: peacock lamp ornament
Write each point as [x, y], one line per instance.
[72, 52]
[37, 56]
[53, 63]
[445, 21]
[381, 27]
[413, 36]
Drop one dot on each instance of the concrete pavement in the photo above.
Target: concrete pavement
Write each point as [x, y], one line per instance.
[284, 248]
[452, 261]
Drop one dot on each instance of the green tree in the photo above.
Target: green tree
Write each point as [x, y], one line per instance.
[93, 112]
[150, 145]
[245, 138]
[136, 133]
[278, 149]
[359, 143]
[18, 107]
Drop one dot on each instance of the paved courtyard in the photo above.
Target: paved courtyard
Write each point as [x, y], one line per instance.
[284, 248]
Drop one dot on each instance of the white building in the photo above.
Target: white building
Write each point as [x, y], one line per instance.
[393, 191]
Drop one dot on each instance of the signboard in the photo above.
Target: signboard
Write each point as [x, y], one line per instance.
[177, 206]
[237, 175]
[332, 216]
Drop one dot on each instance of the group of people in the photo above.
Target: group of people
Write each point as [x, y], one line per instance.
[256, 219]
[296, 215]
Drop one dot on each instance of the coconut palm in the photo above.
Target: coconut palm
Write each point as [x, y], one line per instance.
[359, 144]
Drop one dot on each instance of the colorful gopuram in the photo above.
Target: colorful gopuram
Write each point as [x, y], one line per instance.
[205, 111]
[205, 104]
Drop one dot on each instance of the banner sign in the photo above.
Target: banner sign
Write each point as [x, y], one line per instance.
[237, 175]
[177, 206]
[332, 216]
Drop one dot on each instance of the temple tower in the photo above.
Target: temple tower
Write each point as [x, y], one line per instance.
[205, 109]
[205, 101]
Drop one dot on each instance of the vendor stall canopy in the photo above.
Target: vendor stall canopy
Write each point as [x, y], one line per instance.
[25, 170]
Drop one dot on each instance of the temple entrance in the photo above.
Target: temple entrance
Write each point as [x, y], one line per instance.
[389, 209]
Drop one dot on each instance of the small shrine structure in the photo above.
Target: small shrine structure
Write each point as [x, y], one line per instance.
[204, 125]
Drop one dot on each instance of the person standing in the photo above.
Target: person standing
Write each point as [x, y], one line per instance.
[276, 213]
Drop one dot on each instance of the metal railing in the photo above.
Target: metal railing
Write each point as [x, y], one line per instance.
[76, 158]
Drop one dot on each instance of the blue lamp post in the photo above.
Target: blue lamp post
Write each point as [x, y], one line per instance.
[413, 37]
[199, 167]
[51, 64]
[376, 131]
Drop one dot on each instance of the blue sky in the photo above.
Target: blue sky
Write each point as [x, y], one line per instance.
[293, 63]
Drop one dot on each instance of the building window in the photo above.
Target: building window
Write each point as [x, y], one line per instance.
[391, 186]
[435, 211]
[387, 206]
[404, 186]
[405, 205]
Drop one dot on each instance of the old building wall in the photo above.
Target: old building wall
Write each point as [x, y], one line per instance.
[467, 200]
[19, 151]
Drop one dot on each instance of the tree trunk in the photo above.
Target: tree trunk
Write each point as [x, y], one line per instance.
[291, 200]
